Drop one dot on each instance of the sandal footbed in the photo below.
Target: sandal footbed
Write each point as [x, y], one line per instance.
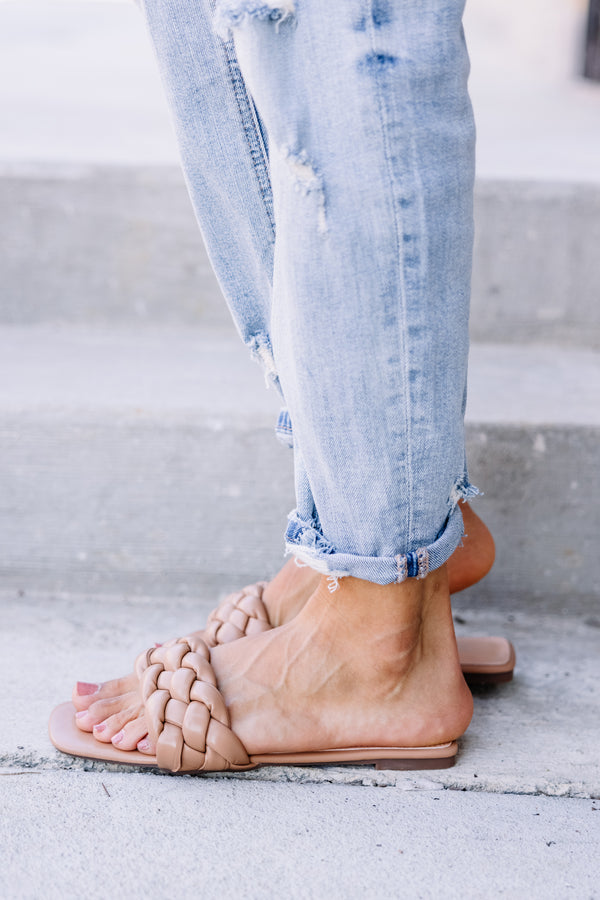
[486, 656]
[68, 738]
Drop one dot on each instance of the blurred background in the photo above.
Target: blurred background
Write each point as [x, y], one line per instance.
[78, 83]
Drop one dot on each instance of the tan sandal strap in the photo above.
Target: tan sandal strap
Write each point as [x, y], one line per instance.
[238, 615]
[186, 714]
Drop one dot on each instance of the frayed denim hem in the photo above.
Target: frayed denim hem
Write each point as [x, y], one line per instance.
[310, 548]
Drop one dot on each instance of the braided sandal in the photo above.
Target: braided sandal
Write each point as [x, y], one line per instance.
[484, 660]
[189, 722]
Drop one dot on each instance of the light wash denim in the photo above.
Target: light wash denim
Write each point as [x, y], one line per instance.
[328, 149]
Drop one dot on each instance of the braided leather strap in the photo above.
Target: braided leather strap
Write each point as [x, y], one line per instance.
[238, 615]
[186, 713]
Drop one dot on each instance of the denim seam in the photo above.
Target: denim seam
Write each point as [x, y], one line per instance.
[250, 127]
[400, 250]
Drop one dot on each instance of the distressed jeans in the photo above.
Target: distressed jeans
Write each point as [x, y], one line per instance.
[328, 149]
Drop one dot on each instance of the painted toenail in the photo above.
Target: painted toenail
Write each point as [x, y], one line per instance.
[118, 737]
[100, 727]
[144, 745]
[81, 714]
[84, 688]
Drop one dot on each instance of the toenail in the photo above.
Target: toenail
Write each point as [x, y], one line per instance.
[100, 727]
[144, 745]
[84, 688]
[81, 714]
[118, 737]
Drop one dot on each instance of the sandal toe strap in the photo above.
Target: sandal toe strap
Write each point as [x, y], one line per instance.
[238, 615]
[187, 717]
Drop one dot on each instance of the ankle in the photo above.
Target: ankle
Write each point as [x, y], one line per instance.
[287, 592]
[365, 603]
[392, 626]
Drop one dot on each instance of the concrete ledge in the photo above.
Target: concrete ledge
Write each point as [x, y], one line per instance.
[85, 244]
[144, 461]
[536, 263]
[82, 244]
[140, 508]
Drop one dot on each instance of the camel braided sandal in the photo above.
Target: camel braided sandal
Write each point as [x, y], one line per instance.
[238, 615]
[186, 713]
[189, 722]
[484, 660]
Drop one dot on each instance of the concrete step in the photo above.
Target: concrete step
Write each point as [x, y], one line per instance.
[85, 244]
[520, 741]
[143, 461]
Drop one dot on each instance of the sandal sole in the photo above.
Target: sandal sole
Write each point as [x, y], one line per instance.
[68, 738]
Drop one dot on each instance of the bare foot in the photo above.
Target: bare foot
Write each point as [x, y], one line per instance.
[105, 709]
[368, 665]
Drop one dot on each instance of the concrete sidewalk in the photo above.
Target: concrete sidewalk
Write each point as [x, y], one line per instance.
[67, 835]
[536, 735]
[469, 831]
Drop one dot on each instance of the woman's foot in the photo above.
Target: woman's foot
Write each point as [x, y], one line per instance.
[368, 665]
[105, 708]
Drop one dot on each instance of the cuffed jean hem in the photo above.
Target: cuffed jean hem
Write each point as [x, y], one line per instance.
[309, 546]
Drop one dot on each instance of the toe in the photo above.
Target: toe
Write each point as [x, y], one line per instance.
[83, 721]
[146, 746]
[106, 730]
[102, 710]
[132, 734]
[84, 693]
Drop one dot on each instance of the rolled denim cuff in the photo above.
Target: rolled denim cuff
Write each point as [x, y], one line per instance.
[308, 545]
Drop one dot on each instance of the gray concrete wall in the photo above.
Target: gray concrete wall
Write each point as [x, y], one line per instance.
[536, 275]
[119, 245]
[88, 245]
[148, 509]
